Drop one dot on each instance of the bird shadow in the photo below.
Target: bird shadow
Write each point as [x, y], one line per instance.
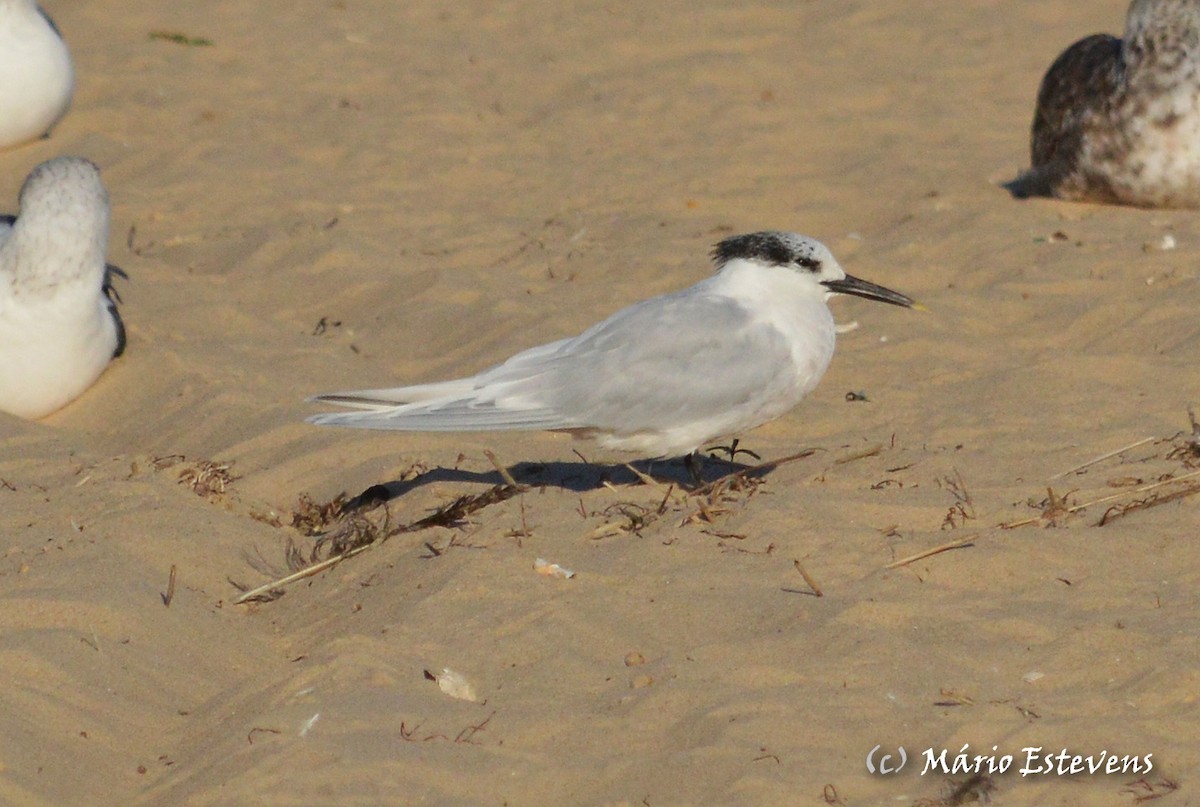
[1030, 184]
[577, 477]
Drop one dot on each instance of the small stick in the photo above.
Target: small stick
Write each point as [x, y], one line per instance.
[762, 467]
[170, 595]
[645, 479]
[504, 474]
[308, 571]
[1142, 489]
[1143, 504]
[1104, 457]
[937, 550]
[869, 451]
[1131, 492]
[459, 508]
[1076, 508]
[808, 579]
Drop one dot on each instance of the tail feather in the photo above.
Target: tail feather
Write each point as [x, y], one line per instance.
[443, 415]
[377, 400]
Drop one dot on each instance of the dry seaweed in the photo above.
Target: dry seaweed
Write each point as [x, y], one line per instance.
[1183, 448]
[358, 532]
[1120, 510]
[313, 518]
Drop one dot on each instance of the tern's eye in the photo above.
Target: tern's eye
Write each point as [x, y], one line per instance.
[811, 264]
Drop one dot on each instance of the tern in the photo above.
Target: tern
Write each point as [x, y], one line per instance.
[663, 377]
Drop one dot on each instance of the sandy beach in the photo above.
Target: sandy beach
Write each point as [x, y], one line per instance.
[361, 193]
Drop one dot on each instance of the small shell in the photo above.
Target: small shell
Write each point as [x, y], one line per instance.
[456, 685]
[1164, 244]
[307, 725]
[543, 566]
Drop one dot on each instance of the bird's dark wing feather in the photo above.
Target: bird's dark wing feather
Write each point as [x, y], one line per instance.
[114, 297]
[1079, 88]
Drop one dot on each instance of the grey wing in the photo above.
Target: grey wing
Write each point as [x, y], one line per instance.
[655, 365]
[391, 397]
[479, 403]
[1080, 86]
[662, 363]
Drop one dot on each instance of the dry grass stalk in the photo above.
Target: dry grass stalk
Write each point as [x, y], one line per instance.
[1104, 457]
[504, 473]
[359, 534]
[1120, 510]
[170, 592]
[644, 478]
[749, 473]
[1113, 497]
[816, 589]
[937, 550]
[869, 451]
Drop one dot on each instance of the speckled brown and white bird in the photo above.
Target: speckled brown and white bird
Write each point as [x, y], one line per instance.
[1118, 120]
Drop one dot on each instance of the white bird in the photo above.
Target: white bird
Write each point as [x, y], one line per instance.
[1118, 120]
[662, 377]
[59, 325]
[36, 76]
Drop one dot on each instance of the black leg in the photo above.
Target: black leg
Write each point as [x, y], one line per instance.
[732, 450]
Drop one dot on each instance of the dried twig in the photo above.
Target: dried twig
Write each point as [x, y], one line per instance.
[1104, 457]
[504, 473]
[308, 571]
[746, 473]
[946, 547]
[1076, 508]
[359, 535]
[170, 592]
[869, 451]
[808, 579]
[1119, 510]
[644, 478]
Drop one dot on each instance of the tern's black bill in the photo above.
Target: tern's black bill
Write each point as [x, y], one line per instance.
[865, 288]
